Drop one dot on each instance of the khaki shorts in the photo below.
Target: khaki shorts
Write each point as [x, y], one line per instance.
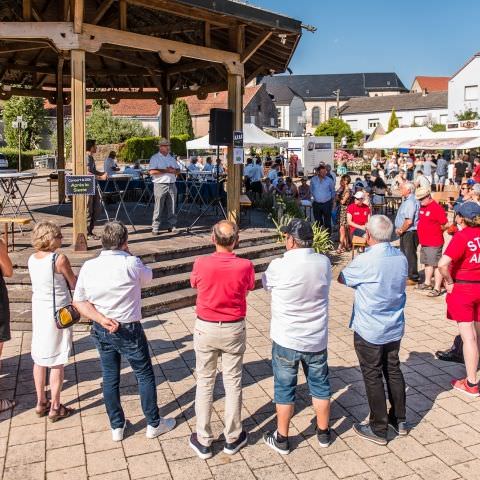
[430, 255]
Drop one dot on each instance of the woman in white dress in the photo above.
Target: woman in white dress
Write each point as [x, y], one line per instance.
[50, 345]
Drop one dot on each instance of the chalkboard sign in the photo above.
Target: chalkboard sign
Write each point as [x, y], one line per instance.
[79, 185]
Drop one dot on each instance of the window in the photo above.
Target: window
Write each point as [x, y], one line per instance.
[400, 120]
[443, 119]
[315, 116]
[272, 122]
[420, 120]
[259, 107]
[332, 112]
[471, 92]
[373, 122]
[353, 124]
[252, 119]
[279, 117]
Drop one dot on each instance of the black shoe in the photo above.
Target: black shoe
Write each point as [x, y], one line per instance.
[234, 447]
[202, 451]
[364, 430]
[449, 355]
[270, 438]
[324, 439]
[399, 427]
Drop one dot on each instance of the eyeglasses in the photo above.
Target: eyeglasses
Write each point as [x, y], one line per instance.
[464, 188]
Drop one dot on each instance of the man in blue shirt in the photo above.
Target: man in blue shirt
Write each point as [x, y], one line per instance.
[406, 228]
[323, 192]
[379, 278]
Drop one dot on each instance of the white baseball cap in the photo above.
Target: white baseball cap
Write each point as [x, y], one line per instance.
[359, 195]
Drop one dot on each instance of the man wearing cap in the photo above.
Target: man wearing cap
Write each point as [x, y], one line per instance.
[432, 222]
[358, 214]
[93, 201]
[406, 228]
[163, 168]
[299, 283]
[323, 192]
[460, 268]
[379, 277]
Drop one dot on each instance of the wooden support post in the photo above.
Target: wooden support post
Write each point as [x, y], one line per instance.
[234, 184]
[78, 16]
[165, 120]
[27, 10]
[77, 62]
[60, 132]
[123, 15]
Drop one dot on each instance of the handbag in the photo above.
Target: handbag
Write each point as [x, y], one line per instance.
[68, 315]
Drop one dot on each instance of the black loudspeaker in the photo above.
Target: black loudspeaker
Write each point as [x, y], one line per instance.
[221, 127]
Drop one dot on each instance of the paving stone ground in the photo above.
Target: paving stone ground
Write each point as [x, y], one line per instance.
[444, 441]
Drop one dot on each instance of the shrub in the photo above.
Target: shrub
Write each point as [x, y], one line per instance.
[27, 157]
[179, 144]
[136, 148]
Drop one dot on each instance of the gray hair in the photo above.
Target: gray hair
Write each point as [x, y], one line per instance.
[380, 228]
[225, 233]
[409, 186]
[114, 235]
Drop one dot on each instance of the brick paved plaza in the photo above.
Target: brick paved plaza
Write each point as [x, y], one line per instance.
[444, 441]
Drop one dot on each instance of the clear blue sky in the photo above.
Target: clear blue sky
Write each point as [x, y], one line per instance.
[409, 37]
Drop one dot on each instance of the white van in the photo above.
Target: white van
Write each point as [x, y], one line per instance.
[311, 151]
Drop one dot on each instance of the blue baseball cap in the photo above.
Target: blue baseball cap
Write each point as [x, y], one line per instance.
[469, 210]
[300, 229]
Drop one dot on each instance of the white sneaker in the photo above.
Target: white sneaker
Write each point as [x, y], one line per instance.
[165, 425]
[117, 433]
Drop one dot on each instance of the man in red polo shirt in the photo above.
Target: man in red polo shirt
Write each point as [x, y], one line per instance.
[223, 281]
[476, 170]
[432, 222]
[358, 214]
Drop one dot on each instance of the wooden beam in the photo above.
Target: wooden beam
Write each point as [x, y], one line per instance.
[122, 17]
[60, 132]
[27, 10]
[129, 61]
[207, 34]
[234, 183]
[254, 46]
[101, 11]
[37, 17]
[78, 16]
[21, 47]
[77, 65]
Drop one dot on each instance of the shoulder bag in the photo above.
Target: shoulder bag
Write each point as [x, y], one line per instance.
[68, 315]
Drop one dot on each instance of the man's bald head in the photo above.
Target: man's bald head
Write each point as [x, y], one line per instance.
[225, 234]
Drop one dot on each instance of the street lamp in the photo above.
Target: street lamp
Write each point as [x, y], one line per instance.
[20, 125]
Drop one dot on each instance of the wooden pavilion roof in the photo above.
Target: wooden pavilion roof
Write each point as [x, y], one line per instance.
[265, 42]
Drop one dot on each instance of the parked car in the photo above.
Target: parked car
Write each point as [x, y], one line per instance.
[3, 161]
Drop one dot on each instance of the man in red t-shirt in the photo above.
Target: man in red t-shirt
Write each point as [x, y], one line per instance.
[222, 281]
[432, 221]
[358, 214]
[460, 267]
[476, 170]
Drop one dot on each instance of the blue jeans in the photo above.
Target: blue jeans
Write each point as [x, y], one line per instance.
[285, 363]
[129, 341]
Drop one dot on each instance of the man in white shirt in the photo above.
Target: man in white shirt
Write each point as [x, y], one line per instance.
[256, 177]
[299, 282]
[110, 165]
[193, 167]
[163, 168]
[421, 181]
[108, 291]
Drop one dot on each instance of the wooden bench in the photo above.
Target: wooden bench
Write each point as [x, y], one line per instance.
[245, 205]
[357, 243]
[13, 221]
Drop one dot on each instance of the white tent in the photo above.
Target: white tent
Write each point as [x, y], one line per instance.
[449, 140]
[399, 136]
[252, 137]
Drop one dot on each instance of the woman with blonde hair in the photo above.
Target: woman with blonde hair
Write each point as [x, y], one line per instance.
[50, 346]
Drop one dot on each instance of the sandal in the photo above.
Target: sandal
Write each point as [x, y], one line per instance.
[59, 413]
[44, 408]
[434, 293]
[6, 404]
[423, 286]
[339, 251]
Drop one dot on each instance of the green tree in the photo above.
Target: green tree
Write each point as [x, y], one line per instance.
[100, 104]
[336, 127]
[180, 119]
[33, 113]
[393, 122]
[468, 114]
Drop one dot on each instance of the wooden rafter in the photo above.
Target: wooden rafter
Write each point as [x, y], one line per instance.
[27, 10]
[101, 11]
[254, 46]
[78, 16]
[122, 17]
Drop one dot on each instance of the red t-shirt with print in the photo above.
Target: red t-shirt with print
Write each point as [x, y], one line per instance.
[359, 213]
[430, 221]
[464, 250]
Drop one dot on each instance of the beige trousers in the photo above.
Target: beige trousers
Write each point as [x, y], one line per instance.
[212, 340]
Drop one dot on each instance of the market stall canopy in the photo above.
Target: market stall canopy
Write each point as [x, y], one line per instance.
[252, 137]
[449, 140]
[397, 137]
